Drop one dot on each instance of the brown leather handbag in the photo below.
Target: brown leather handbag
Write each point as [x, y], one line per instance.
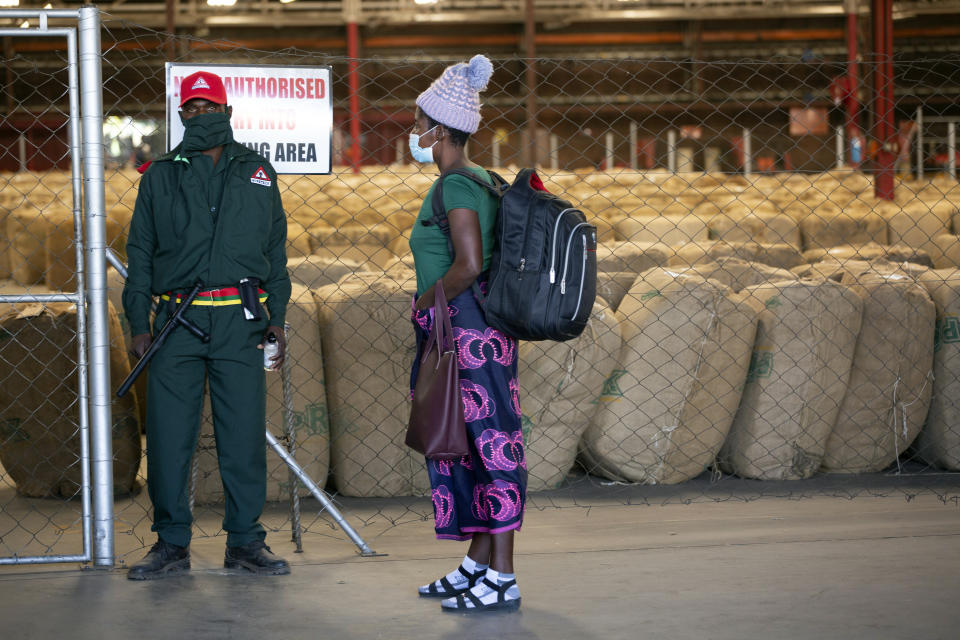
[436, 428]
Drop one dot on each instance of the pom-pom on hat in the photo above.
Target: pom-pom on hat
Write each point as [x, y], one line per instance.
[453, 99]
[203, 84]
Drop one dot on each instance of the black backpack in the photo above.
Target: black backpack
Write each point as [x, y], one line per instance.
[543, 272]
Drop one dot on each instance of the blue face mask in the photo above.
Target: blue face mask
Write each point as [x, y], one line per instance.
[419, 153]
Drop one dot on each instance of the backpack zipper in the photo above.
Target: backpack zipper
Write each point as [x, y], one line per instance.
[553, 244]
[566, 257]
[583, 276]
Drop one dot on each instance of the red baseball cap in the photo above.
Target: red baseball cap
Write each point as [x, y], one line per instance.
[203, 84]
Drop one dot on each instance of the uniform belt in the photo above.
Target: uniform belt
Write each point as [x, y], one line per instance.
[214, 297]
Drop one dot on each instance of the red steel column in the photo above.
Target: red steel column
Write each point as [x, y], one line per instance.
[884, 132]
[353, 50]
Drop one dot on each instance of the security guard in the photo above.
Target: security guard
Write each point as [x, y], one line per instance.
[209, 210]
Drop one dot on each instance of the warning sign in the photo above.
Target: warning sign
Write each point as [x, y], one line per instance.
[283, 113]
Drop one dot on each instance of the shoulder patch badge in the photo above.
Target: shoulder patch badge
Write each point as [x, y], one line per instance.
[260, 177]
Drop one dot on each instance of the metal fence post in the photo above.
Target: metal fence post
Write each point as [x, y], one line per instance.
[839, 147]
[919, 126]
[747, 153]
[91, 104]
[672, 150]
[952, 150]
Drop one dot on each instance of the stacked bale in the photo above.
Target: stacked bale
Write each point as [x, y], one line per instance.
[633, 257]
[40, 443]
[26, 232]
[739, 274]
[667, 407]
[612, 286]
[939, 440]
[558, 383]
[315, 271]
[369, 346]
[916, 223]
[870, 251]
[828, 225]
[124, 342]
[798, 373]
[781, 256]
[308, 407]
[671, 230]
[945, 251]
[890, 383]
[298, 240]
[770, 228]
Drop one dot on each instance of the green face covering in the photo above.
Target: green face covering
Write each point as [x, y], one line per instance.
[206, 131]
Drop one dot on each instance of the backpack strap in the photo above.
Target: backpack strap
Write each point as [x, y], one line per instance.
[439, 216]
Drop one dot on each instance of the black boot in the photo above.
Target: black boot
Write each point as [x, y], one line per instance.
[255, 557]
[163, 560]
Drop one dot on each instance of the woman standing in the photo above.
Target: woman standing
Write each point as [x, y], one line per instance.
[481, 496]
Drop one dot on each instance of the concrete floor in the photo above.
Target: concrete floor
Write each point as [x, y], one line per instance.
[822, 568]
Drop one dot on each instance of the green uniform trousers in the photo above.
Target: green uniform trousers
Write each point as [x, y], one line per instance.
[233, 367]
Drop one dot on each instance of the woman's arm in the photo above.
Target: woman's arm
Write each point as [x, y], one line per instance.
[468, 261]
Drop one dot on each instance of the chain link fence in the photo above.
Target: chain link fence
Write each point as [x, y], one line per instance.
[765, 325]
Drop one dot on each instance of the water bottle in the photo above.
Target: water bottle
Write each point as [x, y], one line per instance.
[270, 349]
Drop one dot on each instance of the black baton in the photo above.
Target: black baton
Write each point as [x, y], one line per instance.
[175, 320]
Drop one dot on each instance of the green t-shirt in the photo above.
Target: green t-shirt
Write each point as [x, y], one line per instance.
[431, 255]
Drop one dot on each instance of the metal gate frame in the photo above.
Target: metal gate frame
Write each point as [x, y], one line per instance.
[93, 357]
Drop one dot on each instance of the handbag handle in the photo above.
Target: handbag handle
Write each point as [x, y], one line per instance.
[442, 332]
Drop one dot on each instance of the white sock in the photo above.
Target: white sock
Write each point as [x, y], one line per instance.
[456, 578]
[485, 594]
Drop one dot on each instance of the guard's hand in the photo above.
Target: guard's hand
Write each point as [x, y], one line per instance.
[281, 342]
[141, 342]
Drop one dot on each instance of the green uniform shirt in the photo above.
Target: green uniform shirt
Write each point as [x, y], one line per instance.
[217, 224]
[431, 255]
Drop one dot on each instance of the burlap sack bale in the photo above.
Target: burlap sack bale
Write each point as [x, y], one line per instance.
[635, 257]
[365, 255]
[40, 445]
[559, 382]
[115, 284]
[27, 232]
[739, 274]
[835, 269]
[945, 251]
[370, 215]
[59, 253]
[666, 408]
[298, 240]
[888, 396]
[350, 233]
[402, 268]
[781, 256]
[315, 271]
[798, 373]
[828, 226]
[612, 286]
[369, 346]
[914, 223]
[605, 231]
[939, 440]
[775, 228]
[400, 246]
[309, 406]
[870, 251]
[670, 230]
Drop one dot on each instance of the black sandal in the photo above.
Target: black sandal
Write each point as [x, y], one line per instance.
[447, 590]
[502, 604]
